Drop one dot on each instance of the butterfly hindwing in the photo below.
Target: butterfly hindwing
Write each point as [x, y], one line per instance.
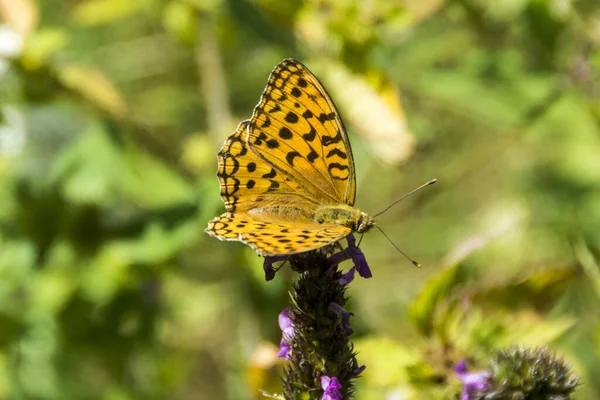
[275, 238]
[297, 128]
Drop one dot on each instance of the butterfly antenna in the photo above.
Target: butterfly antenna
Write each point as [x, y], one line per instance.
[431, 182]
[416, 264]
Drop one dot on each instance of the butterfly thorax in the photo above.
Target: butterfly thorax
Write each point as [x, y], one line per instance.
[344, 215]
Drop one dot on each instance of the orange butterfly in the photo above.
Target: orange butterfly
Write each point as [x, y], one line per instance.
[287, 174]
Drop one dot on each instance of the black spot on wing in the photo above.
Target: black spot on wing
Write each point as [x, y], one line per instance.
[230, 165]
[326, 117]
[285, 133]
[290, 157]
[272, 143]
[336, 166]
[275, 109]
[310, 136]
[291, 117]
[302, 82]
[271, 174]
[274, 186]
[327, 140]
[336, 152]
[258, 140]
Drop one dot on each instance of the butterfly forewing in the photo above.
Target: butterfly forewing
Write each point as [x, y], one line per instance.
[297, 128]
[248, 182]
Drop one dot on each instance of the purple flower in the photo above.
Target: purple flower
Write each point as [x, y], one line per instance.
[473, 381]
[360, 262]
[357, 256]
[343, 314]
[331, 387]
[359, 370]
[348, 276]
[286, 324]
[287, 329]
[284, 350]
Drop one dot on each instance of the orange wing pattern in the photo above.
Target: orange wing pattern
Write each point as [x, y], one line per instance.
[296, 127]
[248, 182]
[270, 239]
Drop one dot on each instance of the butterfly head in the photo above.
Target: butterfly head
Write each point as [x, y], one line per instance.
[364, 223]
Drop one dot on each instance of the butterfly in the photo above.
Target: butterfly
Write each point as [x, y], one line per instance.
[287, 174]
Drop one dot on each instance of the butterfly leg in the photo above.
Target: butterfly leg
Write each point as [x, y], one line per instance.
[268, 267]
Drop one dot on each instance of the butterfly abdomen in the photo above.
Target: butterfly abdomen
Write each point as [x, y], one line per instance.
[281, 212]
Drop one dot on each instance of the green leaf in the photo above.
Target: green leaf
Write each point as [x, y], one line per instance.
[179, 20]
[387, 360]
[100, 12]
[539, 289]
[423, 309]
[93, 86]
[42, 46]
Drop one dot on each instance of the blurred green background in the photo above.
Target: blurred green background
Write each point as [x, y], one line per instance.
[111, 115]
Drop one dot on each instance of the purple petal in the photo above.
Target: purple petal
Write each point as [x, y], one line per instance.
[286, 324]
[284, 350]
[340, 312]
[473, 381]
[331, 387]
[357, 256]
[334, 384]
[359, 370]
[284, 319]
[461, 368]
[325, 382]
[360, 262]
[288, 333]
[476, 380]
[346, 253]
[351, 241]
[348, 276]
[287, 328]
[338, 258]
